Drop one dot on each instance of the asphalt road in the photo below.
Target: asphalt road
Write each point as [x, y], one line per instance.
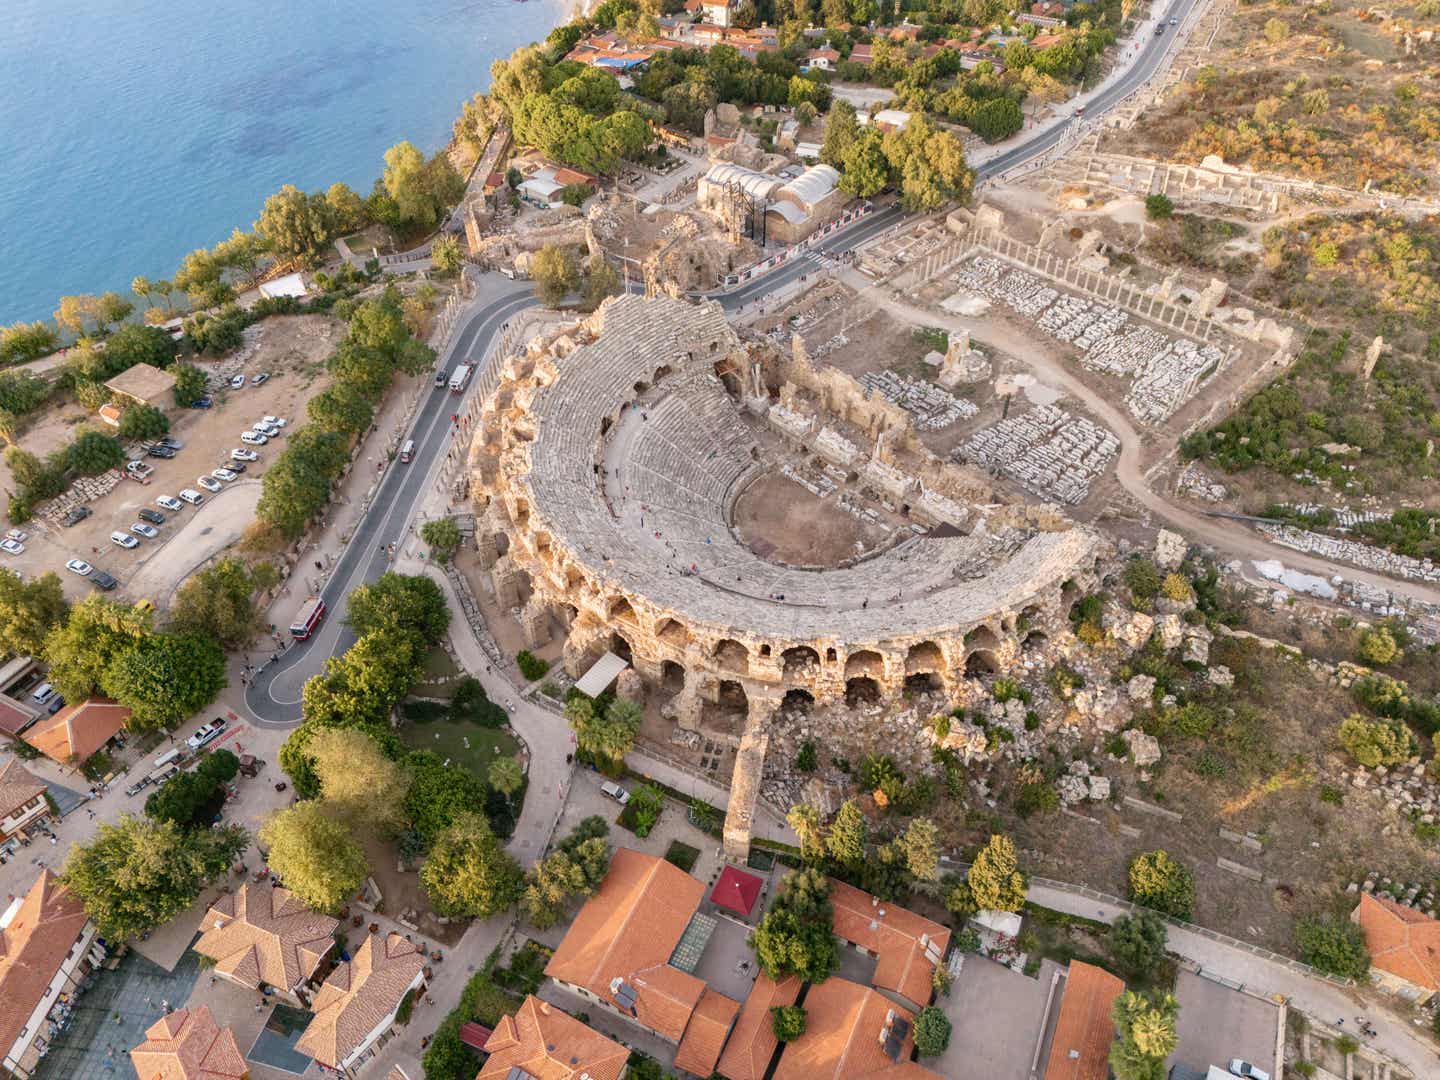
[274, 694]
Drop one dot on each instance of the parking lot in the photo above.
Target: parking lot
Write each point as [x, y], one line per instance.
[1217, 1024]
[982, 1049]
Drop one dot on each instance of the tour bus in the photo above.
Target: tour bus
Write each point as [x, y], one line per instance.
[308, 618]
[407, 451]
[459, 378]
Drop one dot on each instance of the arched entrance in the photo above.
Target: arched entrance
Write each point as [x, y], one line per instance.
[799, 659]
[862, 690]
[621, 648]
[797, 700]
[981, 662]
[924, 656]
[732, 656]
[866, 662]
[672, 677]
[732, 696]
[923, 682]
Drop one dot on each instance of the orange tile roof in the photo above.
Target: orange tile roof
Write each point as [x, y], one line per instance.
[842, 1040]
[77, 731]
[752, 1041]
[358, 996]
[705, 1034]
[265, 934]
[627, 931]
[14, 715]
[1085, 1025]
[907, 945]
[1401, 940]
[17, 787]
[549, 1044]
[188, 1044]
[46, 925]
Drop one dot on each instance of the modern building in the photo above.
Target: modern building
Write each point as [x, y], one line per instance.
[262, 935]
[77, 732]
[48, 946]
[1404, 946]
[143, 384]
[356, 1005]
[22, 799]
[907, 947]
[542, 1041]
[792, 209]
[188, 1044]
[1085, 1028]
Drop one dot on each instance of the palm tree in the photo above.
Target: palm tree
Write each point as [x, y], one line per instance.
[805, 820]
[506, 776]
[163, 288]
[140, 285]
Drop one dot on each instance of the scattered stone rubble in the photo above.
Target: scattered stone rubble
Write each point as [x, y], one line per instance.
[1366, 556]
[85, 489]
[1410, 894]
[1194, 482]
[932, 407]
[1046, 449]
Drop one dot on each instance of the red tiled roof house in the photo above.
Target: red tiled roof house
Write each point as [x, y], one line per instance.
[1404, 947]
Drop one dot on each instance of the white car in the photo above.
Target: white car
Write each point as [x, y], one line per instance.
[274, 421]
[18, 535]
[224, 474]
[169, 502]
[79, 566]
[139, 468]
[147, 531]
[191, 496]
[257, 380]
[244, 455]
[12, 547]
[205, 733]
[124, 540]
[1245, 1069]
[237, 382]
[209, 483]
[270, 431]
[253, 438]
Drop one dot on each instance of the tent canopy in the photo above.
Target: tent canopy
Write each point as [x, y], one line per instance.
[601, 674]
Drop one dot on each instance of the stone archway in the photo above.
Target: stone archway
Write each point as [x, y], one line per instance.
[672, 677]
[1034, 641]
[673, 633]
[620, 611]
[620, 646]
[798, 660]
[981, 662]
[730, 655]
[797, 700]
[924, 656]
[862, 690]
[866, 662]
[982, 637]
[732, 696]
[924, 682]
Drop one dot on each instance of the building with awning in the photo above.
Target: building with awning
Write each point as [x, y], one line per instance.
[601, 674]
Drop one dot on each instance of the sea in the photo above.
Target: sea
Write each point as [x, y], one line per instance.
[134, 131]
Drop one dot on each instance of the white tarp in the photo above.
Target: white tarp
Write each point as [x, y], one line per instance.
[289, 285]
[601, 674]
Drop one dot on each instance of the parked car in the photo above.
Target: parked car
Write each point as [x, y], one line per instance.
[233, 466]
[140, 469]
[244, 455]
[79, 566]
[224, 474]
[206, 733]
[147, 531]
[209, 483]
[172, 442]
[615, 791]
[123, 539]
[1245, 1069]
[56, 704]
[260, 379]
[191, 496]
[160, 451]
[101, 580]
[274, 421]
[12, 547]
[202, 403]
[253, 438]
[18, 535]
[169, 502]
[139, 786]
[152, 516]
[441, 377]
[75, 515]
[270, 431]
[237, 382]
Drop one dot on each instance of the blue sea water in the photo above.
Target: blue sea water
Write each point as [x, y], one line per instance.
[134, 131]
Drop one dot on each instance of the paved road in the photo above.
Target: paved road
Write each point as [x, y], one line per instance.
[274, 695]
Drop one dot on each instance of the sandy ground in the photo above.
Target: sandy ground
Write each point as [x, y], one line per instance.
[293, 351]
[782, 521]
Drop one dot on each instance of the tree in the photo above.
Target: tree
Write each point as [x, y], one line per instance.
[505, 775]
[551, 883]
[995, 880]
[111, 308]
[314, 854]
[74, 312]
[343, 408]
[412, 603]
[443, 536]
[93, 453]
[421, 189]
[29, 611]
[20, 342]
[143, 422]
[805, 820]
[1138, 942]
[347, 209]
[136, 874]
[135, 344]
[193, 799]
[298, 227]
[1158, 881]
[218, 602]
[787, 1022]
[796, 935]
[189, 384]
[23, 392]
[605, 736]
[80, 649]
[439, 794]
[602, 281]
[920, 844]
[1378, 646]
[1376, 742]
[358, 780]
[866, 170]
[468, 872]
[1146, 1026]
[163, 678]
[446, 256]
[1276, 30]
[1334, 946]
[1158, 207]
[848, 835]
[555, 272]
[932, 1032]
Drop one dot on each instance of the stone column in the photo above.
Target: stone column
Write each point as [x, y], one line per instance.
[535, 622]
[505, 580]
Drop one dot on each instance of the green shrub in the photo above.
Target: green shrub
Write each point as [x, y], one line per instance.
[787, 1022]
[1378, 647]
[1334, 946]
[1158, 207]
[807, 758]
[932, 1032]
[1158, 881]
[1376, 742]
[531, 666]
[1036, 797]
[1142, 578]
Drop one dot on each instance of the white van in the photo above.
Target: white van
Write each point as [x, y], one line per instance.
[407, 452]
[191, 496]
[167, 757]
[42, 693]
[615, 791]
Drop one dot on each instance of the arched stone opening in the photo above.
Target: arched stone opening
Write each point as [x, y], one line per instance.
[866, 662]
[982, 637]
[660, 373]
[1034, 640]
[764, 650]
[732, 696]
[830, 656]
[923, 682]
[673, 633]
[1069, 590]
[924, 656]
[732, 656]
[621, 611]
[799, 659]
[621, 648]
[672, 677]
[981, 662]
[641, 387]
[862, 690]
[604, 426]
[797, 700]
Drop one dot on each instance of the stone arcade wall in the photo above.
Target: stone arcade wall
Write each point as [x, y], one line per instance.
[703, 618]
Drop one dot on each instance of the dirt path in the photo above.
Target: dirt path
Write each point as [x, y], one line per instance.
[1225, 536]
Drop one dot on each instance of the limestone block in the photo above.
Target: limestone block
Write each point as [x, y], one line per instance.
[1171, 630]
[1220, 675]
[1141, 688]
[1170, 550]
[1145, 749]
[1133, 628]
[1099, 788]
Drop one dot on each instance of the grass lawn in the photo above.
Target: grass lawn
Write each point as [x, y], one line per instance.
[440, 674]
[448, 739]
[682, 855]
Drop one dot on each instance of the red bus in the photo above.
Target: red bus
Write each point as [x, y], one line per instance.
[308, 618]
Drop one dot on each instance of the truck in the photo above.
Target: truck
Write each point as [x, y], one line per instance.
[460, 378]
